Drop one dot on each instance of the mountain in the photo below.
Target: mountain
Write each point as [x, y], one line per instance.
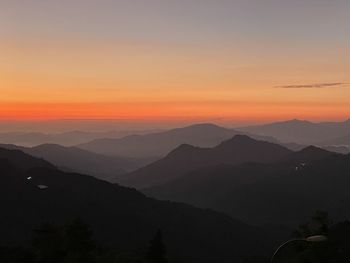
[32, 191]
[286, 192]
[185, 158]
[331, 148]
[160, 144]
[77, 160]
[309, 153]
[303, 132]
[23, 161]
[70, 138]
[37, 138]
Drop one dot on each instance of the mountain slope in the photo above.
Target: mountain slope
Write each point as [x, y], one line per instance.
[185, 158]
[120, 217]
[78, 160]
[283, 193]
[23, 161]
[309, 154]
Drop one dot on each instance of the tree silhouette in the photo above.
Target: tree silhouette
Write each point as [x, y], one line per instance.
[78, 242]
[17, 255]
[321, 222]
[157, 251]
[71, 243]
[319, 225]
[48, 243]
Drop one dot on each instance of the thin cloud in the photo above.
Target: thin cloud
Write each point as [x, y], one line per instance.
[315, 85]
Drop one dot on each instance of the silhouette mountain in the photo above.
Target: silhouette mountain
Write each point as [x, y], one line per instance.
[23, 161]
[276, 193]
[160, 144]
[303, 132]
[77, 160]
[310, 153]
[185, 158]
[119, 217]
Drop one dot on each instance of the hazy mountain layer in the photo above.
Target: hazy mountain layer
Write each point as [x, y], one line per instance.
[303, 132]
[65, 138]
[160, 144]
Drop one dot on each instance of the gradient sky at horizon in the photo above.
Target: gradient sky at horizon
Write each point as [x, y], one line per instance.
[200, 60]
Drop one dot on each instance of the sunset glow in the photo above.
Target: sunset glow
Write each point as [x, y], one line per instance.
[66, 66]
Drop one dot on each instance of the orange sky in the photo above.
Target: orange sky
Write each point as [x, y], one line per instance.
[60, 75]
[131, 81]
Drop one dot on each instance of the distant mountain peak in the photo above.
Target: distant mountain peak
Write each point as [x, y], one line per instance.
[53, 147]
[203, 126]
[50, 145]
[312, 153]
[313, 149]
[297, 121]
[242, 137]
[239, 138]
[183, 148]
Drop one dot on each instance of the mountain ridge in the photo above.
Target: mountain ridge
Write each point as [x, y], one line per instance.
[160, 144]
[301, 131]
[185, 158]
[285, 192]
[79, 160]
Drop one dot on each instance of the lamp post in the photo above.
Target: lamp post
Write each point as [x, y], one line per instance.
[310, 239]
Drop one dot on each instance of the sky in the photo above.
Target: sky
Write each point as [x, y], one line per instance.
[224, 61]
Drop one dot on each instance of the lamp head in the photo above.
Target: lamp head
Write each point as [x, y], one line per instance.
[316, 238]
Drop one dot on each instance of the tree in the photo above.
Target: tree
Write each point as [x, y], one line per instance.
[321, 222]
[78, 242]
[71, 243]
[319, 225]
[48, 243]
[317, 252]
[16, 255]
[157, 251]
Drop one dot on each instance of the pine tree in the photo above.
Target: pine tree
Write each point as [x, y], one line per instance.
[78, 242]
[48, 243]
[157, 251]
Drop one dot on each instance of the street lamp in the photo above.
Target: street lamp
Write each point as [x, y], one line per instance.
[310, 239]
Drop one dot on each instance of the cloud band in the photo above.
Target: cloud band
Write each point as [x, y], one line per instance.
[314, 86]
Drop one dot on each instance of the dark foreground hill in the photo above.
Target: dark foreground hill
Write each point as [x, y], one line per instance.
[282, 193]
[32, 191]
[186, 158]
